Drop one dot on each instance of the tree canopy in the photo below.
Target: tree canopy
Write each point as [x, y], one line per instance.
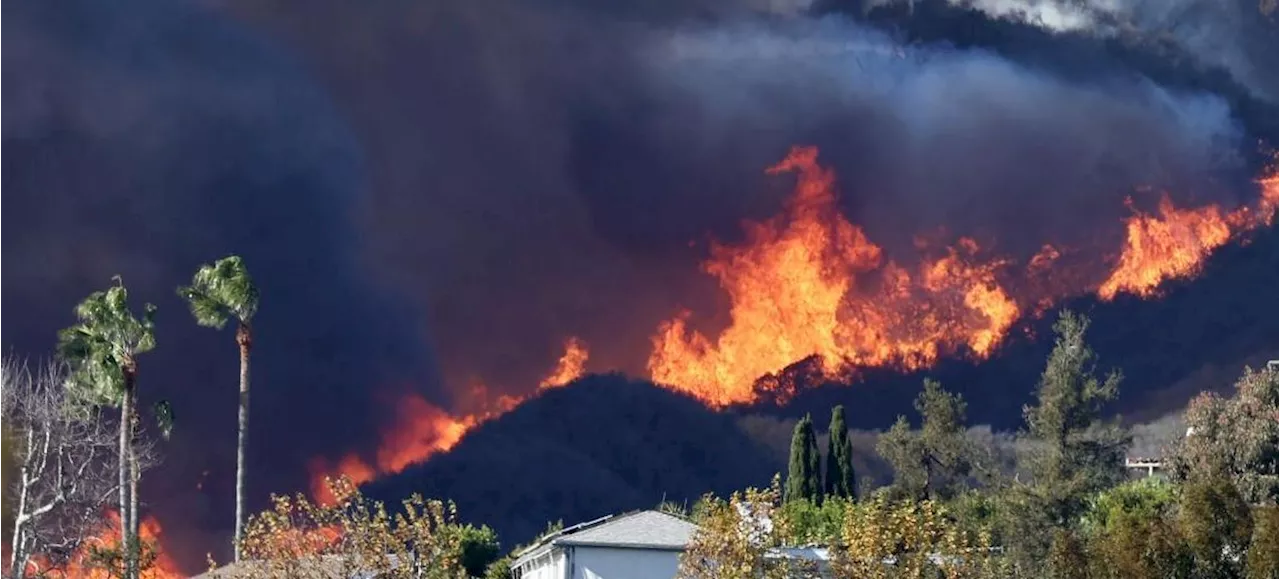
[804, 474]
[220, 291]
[935, 461]
[103, 345]
[1073, 450]
[1234, 437]
[839, 480]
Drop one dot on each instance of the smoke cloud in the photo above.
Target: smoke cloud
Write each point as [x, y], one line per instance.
[146, 138]
[923, 136]
[1234, 35]
[570, 162]
[436, 193]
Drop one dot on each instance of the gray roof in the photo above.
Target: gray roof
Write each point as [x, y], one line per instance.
[637, 530]
[644, 529]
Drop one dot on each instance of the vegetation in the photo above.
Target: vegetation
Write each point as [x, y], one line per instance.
[1074, 451]
[1066, 508]
[1217, 526]
[934, 462]
[54, 437]
[1261, 560]
[102, 352]
[61, 480]
[959, 505]
[839, 481]
[804, 471]
[735, 537]
[1233, 437]
[219, 292]
[500, 568]
[355, 536]
[1133, 532]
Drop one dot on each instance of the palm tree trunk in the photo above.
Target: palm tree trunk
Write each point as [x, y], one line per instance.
[128, 476]
[135, 546]
[244, 338]
[126, 420]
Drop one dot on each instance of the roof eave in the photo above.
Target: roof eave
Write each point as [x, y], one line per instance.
[620, 545]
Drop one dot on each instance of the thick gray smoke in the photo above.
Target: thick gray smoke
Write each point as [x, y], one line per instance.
[145, 138]
[926, 136]
[1237, 36]
[538, 179]
[473, 182]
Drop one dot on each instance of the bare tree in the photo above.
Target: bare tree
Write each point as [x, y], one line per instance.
[67, 472]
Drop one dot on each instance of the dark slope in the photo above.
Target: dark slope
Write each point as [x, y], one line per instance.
[601, 445]
[1208, 327]
[606, 444]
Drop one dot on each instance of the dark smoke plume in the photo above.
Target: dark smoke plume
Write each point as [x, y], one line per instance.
[563, 156]
[144, 138]
[1233, 35]
[472, 182]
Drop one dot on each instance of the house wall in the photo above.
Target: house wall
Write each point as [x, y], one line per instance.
[606, 563]
[552, 567]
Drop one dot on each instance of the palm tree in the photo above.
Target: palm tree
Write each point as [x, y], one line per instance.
[101, 352]
[217, 292]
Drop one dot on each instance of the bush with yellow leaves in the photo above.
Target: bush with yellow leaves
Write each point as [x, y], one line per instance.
[736, 538]
[350, 537]
[746, 536]
[899, 540]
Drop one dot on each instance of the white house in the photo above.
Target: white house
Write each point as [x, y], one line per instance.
[639, 545]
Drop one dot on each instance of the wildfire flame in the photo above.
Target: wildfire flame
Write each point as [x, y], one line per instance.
[570, 366]
[809, 284]
[422, 429]
[1174, 243]
[108, 537]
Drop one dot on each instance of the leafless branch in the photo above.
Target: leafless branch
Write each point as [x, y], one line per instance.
[68, 462]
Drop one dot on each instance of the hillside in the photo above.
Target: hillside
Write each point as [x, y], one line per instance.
[1198, 335]
[607, 444]
[601, 445]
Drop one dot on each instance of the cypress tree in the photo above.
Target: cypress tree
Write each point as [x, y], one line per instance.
[815, 464]
[796, 464]
[839, 481]
[803, 469]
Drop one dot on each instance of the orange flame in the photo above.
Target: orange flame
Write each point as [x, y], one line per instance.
[423, 429]
[1172, 244]
[1175, 243]
[570, 366]
[811, 283]
[149, 530]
